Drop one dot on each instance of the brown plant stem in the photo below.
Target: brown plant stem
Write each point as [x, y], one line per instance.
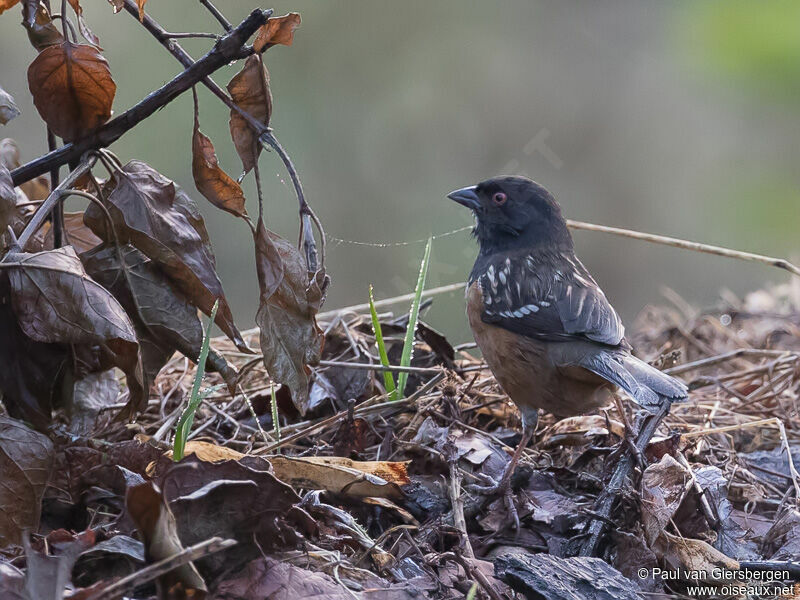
[229, 48]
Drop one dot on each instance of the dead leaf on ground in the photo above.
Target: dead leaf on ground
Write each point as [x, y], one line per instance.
[50, 572]
[163, 319]
[664, 486]
[339, 475]
[249, 89]
[156, 525]
[155, 215]
[55, 301]
[8, 109]
[277, 30]
[26, 459]
[211, 181]
[42, 33]
[686, 555]
[578, 431]
[288, 305]
[72, 89]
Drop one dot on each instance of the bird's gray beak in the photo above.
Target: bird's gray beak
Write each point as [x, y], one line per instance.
[467, 196]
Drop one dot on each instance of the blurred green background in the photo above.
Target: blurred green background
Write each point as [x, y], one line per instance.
[678, 118]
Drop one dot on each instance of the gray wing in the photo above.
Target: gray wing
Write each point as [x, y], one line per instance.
[555, 300]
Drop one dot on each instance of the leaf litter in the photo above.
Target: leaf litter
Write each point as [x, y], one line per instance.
[355, 500]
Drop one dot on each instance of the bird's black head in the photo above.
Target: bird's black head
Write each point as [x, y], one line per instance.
[514, 213]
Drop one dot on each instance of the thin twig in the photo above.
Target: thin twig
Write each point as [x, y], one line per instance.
[688, 245]
[229, 48]
[55, 197]
[143, 576]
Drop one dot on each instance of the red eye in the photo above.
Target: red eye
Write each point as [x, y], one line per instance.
[499, 198]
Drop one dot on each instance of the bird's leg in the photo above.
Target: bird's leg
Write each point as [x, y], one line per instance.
[504, 485]
[630, 435]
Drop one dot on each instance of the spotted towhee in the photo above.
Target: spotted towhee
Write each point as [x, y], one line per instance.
[545, 328]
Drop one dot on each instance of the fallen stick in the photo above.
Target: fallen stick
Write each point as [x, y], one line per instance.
[603, 506]
[143, 576]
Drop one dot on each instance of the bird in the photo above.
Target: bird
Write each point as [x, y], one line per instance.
[545, 328]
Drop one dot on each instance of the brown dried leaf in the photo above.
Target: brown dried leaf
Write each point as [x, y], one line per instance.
[155, 215]
[8, 110]
[360, 479]
[163, 319]
[32, 372]
[117, 5]
[72, 89]
[82, 26]
[140, 4]
[156, 525]
[26, 459]
[288, 305]
[35, 189]
[8, 199]
[42, 33]
[249, 89]
[664, 486]
[55, 301]
[696, 557]
[6, 4]
[78, 235]
[277, 30]
[49, 573]
[211, 181]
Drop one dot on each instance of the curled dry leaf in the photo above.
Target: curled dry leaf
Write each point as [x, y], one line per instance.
[156, 525]
[360, 479]
[8, 199]
[56, 302]
[690, 556]
[117, 5]
[157, 217]
[211, 181]
[288, 305]
[249, 89]
[42, 33]
[6, 4]
[26, 459]
[8, 109]
[664, 486]
[72, 89]
[78, 235]
[32, 372]
[163, 319]
[277, 30]
[35, 189]
[82, 26]
[140, 4]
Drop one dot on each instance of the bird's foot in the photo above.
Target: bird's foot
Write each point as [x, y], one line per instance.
[490, 487]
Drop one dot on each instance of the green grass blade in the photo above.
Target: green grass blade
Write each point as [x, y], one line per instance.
[388, 378]
[413, 317]
[473, 592]
[187, 417]
[273, 405]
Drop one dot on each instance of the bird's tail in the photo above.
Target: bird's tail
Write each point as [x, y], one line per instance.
[645, 384]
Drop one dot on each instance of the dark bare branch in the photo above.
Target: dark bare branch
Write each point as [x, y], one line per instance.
[230, 47]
